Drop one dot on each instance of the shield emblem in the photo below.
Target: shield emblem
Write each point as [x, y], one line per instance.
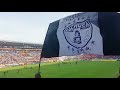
[78, 34]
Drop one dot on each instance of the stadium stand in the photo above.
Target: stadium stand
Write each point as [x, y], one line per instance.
[17, 53]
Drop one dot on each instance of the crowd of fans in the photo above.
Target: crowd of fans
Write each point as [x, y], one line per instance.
[12, 57]
[80, 57]
[19, 57]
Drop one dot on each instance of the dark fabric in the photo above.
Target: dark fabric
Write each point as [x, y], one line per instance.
[109, 24]
[51, 44]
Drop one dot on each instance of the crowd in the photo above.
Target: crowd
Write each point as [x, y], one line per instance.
[19, 57]
[80, 57]
[12, 57]
[77, 57]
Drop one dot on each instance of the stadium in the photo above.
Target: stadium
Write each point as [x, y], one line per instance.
[17, 53]
[83, 45]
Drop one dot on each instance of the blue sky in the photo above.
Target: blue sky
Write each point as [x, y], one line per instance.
[27, 26]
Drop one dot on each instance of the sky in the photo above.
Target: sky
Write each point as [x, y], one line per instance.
[28, 27]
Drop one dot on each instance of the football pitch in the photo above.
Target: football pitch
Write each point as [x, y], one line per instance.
[81, 69]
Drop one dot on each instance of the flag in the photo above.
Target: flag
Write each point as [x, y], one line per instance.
[88, 33]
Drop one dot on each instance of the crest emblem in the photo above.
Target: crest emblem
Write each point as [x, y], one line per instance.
[78, 34]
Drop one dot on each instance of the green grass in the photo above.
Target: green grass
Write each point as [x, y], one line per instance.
[83, 69]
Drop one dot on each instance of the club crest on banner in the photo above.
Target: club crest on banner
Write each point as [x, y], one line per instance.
[78, 34]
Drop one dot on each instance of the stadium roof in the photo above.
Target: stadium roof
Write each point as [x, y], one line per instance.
[18, 44]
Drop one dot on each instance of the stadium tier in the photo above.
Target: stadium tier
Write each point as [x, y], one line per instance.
[19, 45]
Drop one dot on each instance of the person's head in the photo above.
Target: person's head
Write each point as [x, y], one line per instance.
[38, 75]
[77, 33]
